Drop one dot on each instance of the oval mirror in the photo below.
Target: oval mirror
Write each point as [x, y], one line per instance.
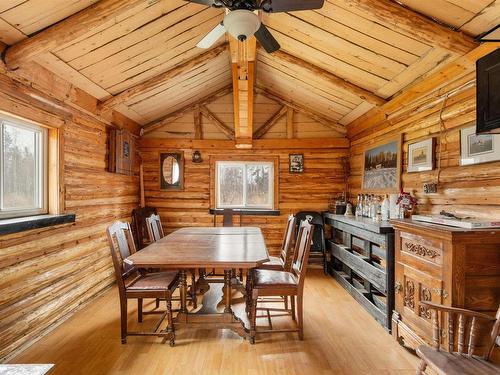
[170, 169]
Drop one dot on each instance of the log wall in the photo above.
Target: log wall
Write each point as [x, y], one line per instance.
[465, 190]
[312, 190]
[47, 273]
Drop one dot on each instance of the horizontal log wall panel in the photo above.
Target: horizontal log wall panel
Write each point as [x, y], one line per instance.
[312, 190]
[47, 273]
[468, 190]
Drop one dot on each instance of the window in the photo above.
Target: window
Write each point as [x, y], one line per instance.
[23, 168]
[245, 185]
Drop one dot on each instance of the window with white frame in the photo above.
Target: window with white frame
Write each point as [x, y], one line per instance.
[23, 168]
[242, 184]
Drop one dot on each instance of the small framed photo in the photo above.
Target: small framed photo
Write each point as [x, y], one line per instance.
[296, 163]
[478, 148]
[421, 155]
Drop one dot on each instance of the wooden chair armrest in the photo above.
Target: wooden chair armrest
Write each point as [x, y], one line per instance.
[456, 310]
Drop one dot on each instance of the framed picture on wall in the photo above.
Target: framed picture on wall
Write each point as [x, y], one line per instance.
[421, 155]
[382, 166]
[478, 148]
[296, 163]
[171, 171]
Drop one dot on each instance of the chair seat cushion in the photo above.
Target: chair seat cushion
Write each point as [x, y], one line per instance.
[447, 363]
[270, 279]
[156, 281]
[274, 263]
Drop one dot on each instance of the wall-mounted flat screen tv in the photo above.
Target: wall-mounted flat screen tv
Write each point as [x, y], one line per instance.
[488, 93]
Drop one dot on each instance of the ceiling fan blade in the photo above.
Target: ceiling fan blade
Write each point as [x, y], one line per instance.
[274, 6]
[208, 3]
[212, 37]
[266, 39]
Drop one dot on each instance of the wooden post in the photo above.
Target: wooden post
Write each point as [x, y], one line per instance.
[290, 131]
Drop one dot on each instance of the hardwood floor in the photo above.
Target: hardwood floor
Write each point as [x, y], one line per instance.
[340, 338]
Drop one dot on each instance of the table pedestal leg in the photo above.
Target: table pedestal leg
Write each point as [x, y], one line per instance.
[227, 291]
[183, 291]
[202, 285]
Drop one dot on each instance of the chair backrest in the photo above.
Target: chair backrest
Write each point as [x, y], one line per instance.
[302, 248]
[154, 227]
[287, 248]
[463, 327]
[139, 216]
[227, 217]
[315, 218]
[121, 244]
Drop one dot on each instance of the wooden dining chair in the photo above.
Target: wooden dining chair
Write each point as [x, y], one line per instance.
[137, 284]
[270, 283]
[284, 261]
[139, 229]
[156, 233]
[462, 358]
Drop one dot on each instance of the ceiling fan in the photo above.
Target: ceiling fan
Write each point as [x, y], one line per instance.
[241, 22]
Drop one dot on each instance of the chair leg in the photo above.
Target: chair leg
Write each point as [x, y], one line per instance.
[170, 327]
[253, 319]
[248, 297]
[157, 303]
[292, 306]
[285, 300]
[139, 310]
[300, 317]
[421, 368]
[123, 320]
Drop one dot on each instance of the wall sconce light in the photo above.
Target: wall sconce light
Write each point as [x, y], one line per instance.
[197, 157]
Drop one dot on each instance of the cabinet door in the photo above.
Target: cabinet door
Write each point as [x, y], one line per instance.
[413, 287]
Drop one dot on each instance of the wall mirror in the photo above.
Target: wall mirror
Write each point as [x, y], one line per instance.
[171, 171]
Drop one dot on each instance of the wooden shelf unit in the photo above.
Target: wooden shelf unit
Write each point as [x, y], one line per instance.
[362, 261]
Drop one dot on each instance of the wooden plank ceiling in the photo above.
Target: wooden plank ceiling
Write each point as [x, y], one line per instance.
[335, 64]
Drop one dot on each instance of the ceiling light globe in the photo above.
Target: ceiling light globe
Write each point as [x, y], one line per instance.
[241, 24]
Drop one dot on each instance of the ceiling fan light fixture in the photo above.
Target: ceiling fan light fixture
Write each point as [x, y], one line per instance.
[241, 24]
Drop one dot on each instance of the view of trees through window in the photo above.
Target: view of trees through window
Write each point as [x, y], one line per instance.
[20, 175]
[241, 184]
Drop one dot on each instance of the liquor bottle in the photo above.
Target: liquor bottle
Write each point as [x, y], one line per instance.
[386, 208]
[359, 206]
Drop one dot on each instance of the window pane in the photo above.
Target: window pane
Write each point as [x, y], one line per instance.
[20, 190]
[258, 178]
[231, 185]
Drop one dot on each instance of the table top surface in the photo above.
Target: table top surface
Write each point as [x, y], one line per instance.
[235, 247]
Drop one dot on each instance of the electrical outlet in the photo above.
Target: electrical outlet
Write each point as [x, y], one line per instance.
[430, 188]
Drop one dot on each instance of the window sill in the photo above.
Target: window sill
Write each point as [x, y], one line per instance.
[9, 226]
[247, 212]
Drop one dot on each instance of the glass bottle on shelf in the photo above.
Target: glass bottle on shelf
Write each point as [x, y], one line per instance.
[359, 206]
[385, 208]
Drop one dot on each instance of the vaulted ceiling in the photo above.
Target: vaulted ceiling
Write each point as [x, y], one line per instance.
[140, 57]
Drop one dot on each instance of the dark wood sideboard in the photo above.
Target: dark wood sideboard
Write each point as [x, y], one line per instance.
[362, 261]
[451, 266]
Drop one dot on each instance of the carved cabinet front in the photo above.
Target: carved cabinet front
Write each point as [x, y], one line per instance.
[450, 266]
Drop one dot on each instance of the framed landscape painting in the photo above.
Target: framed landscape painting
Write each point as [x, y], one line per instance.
[382, 167]
[421, 156]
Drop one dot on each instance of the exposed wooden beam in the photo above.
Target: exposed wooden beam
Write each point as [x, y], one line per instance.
[270, 123]
[410, 23]
[332, 78]
[302, 109]
[184, 110]
[54, 90]
[67, 30]
[258, 144]
[243, 72]
[460, 66]
[198, 131]
[217, 122]
[290, 130]
[162, 78]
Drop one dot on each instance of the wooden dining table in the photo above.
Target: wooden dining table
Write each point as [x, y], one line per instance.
[226, 248]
